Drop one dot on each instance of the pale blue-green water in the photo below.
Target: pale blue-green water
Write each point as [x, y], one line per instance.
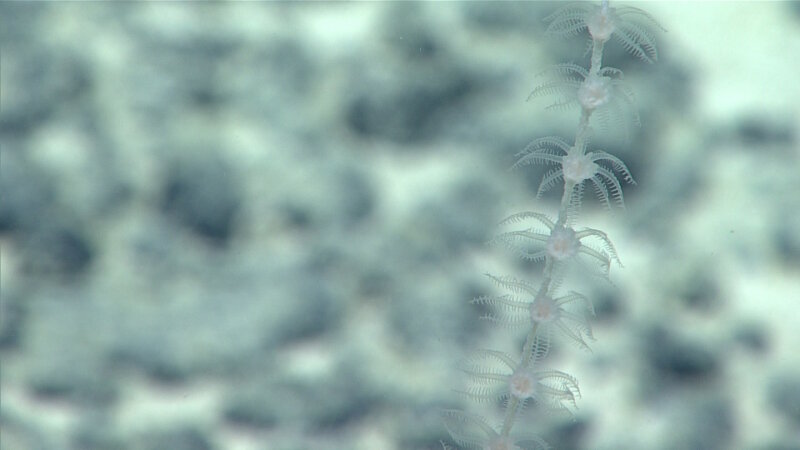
[257, 225]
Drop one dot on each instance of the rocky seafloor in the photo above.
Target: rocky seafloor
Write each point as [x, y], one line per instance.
[258, 226]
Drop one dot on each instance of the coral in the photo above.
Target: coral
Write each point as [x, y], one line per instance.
[515, 383]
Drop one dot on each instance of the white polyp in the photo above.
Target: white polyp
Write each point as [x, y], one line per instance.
[544, 310]
[562, 243]
[500, 443]
[522, 384]
[594, 92]
[578, 168]
[601, 24]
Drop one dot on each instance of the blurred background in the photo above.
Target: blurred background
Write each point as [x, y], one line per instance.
[259, 225]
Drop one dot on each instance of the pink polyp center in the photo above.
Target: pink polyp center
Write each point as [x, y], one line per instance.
[544, 310]
[522, 384]
[500, 443]
[578, 168]
[594, 92]
[601, 25]
[562, 243]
